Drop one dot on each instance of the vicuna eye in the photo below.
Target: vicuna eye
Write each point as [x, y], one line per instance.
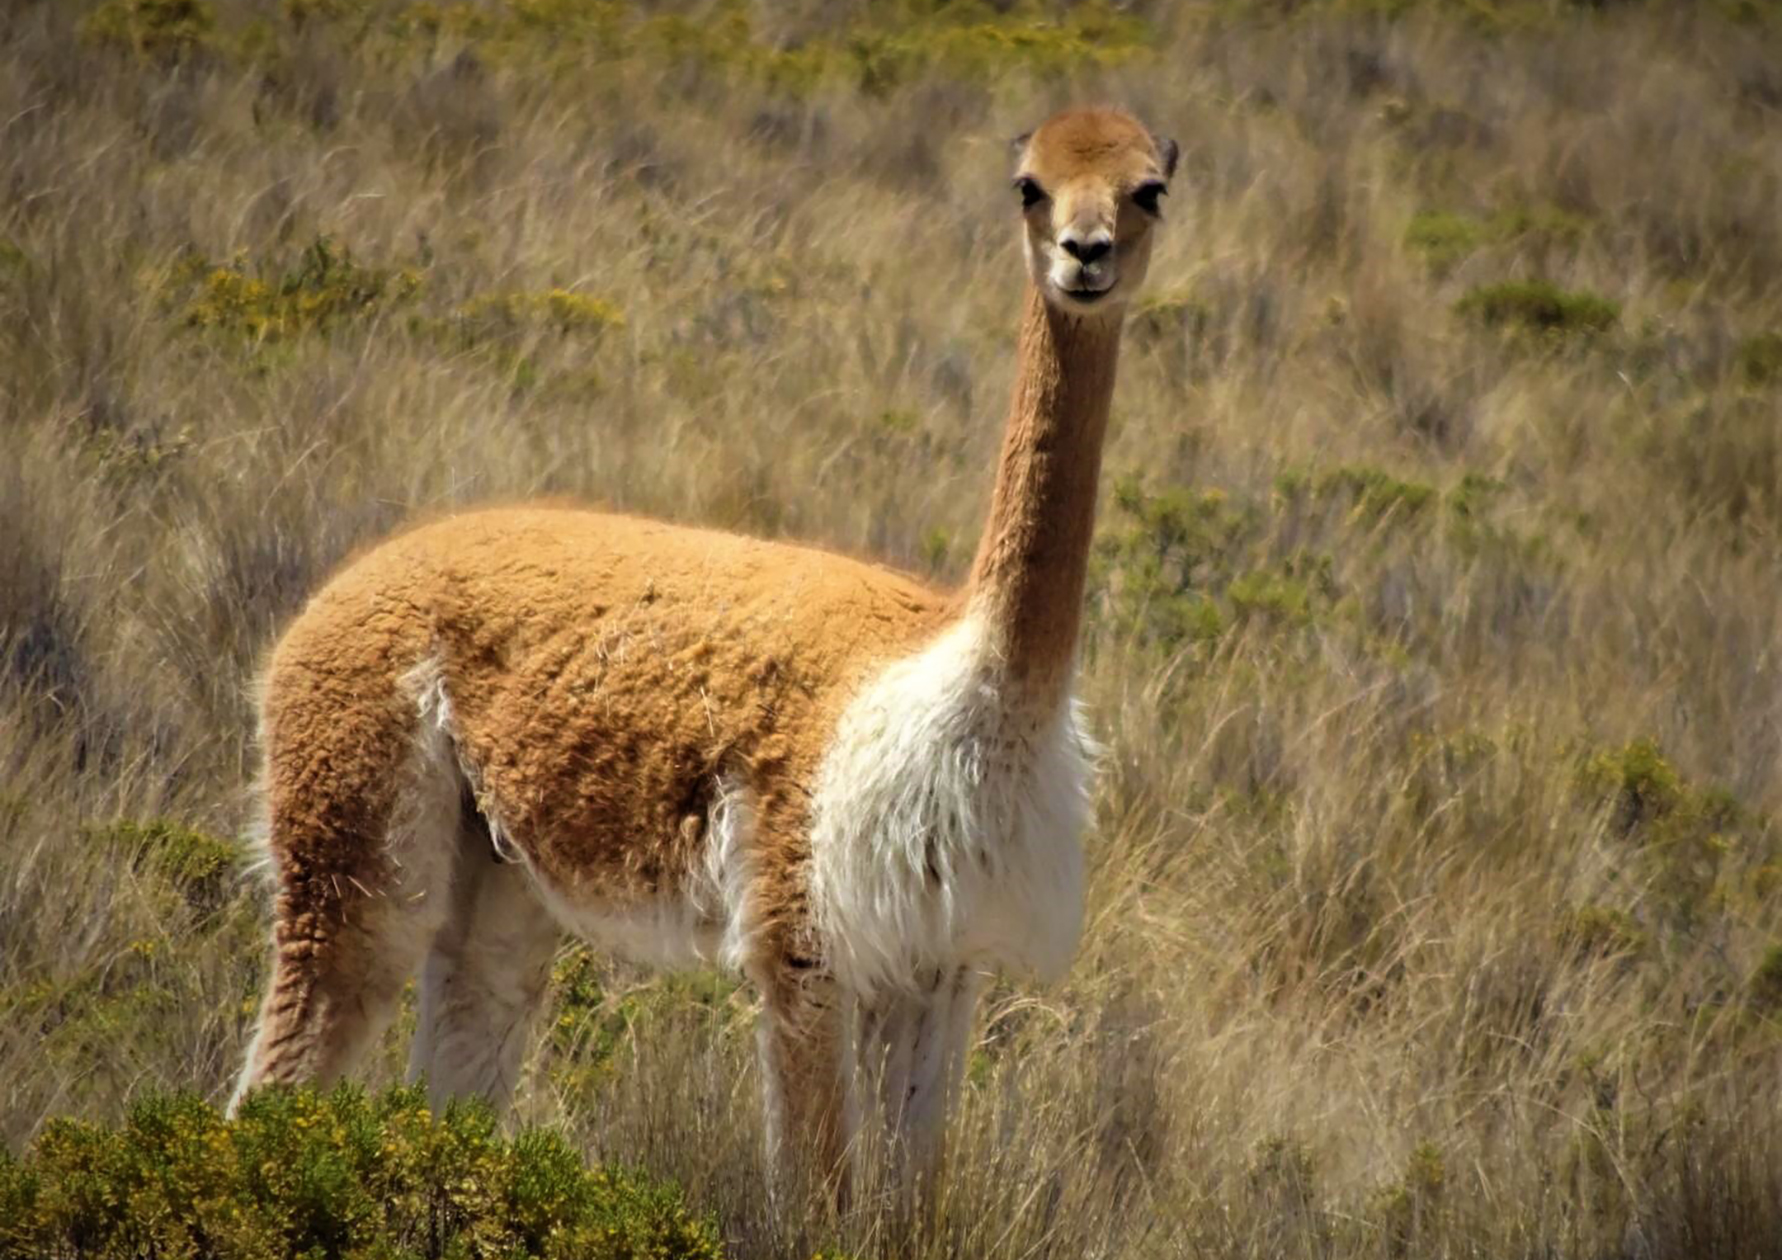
[1031, 193]
[1146, 194]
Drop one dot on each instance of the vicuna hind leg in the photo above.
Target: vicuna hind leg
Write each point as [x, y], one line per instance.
[914, 1044]
[806, 1073]
[484, 978]
[363, 870]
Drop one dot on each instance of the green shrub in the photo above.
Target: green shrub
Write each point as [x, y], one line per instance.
[1543, 223]
[1377, 494]
[1467, 519]
[1171, 313]
[880, 48]
[586, 1028]
[1593, 929]
[974, 43]
[201, 866]
[301, 11]
[152, 28]
[1760, 358]
[1766, 980]
[1282, 1163]
[558, 309]
[1637, 780]
[1684, 836]
[126, 455]
[1443, 239]
[936, 546]
[1409, 1207]
[321, 290]
[15, 807]
[301, 1174]
[1156, 572]
[1539, 306]
[1285, 596]
[590, 1023]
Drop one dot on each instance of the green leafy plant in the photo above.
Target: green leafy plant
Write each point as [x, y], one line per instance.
[1158, 571]
[1377, 494]
[1174, 311]
[1760, 358]
[201, 866]
[879, 49]
[343, 1174]
[558, 309]
[1443, 238]
[1594, 929]
[1683, 834]
[1409, 1207]
[321, 290]
[1539, 306]
[1766, 979]
[1640, 785]
[152, 28]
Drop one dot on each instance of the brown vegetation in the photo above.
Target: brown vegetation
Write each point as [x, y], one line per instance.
[1437, 882]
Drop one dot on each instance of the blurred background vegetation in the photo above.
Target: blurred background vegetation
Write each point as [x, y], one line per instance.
[1437, 876]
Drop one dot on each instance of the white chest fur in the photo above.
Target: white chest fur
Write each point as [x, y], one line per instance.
[947, 824]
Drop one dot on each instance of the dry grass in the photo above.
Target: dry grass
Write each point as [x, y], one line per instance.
[1437, 898]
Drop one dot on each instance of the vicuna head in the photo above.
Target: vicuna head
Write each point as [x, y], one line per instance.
[1091, 183]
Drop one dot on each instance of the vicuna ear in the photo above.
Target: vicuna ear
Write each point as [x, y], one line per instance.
[1167, 153]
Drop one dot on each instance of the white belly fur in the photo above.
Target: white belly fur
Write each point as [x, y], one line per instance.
[712, 920]
[946, 827]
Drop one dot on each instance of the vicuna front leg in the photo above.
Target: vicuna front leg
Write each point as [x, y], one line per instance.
[484, 980]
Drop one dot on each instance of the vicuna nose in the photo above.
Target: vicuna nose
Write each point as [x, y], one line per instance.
[1086, 249]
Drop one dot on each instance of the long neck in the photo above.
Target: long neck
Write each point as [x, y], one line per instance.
[1027, 580]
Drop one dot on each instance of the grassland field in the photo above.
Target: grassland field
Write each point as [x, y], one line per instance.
[1435, 630]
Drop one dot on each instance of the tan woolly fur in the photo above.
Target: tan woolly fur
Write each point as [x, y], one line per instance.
[861, 793]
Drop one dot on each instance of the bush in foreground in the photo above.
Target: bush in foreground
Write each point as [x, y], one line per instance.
[301, 1174]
